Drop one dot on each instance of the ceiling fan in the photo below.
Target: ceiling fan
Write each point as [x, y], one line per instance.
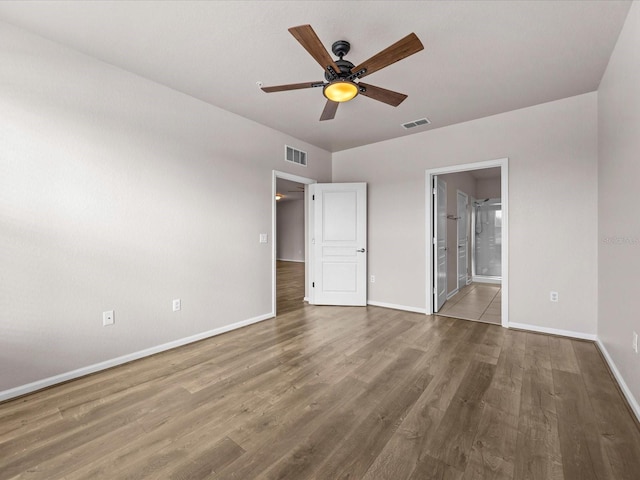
[342, 77]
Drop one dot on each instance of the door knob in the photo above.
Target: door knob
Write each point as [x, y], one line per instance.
[361, 250]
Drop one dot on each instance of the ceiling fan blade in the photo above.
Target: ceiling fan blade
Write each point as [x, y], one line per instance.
[292, 86]
[401, 49]
[382, 94]
[312, 44]
[329, 111]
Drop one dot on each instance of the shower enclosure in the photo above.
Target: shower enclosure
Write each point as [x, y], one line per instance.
[486, 227]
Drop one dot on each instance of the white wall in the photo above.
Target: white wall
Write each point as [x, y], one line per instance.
[290, 230]
[119, 193]
[552, 151]
[619, 221]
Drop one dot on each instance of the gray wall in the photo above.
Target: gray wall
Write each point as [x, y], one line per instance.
[619, 222]
[552, 150]
[119, 193]
[488, 188]
[290, 230]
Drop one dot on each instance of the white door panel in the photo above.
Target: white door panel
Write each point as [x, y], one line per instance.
[339, 216]
[440, 244]
[339, 243]
[340, 277]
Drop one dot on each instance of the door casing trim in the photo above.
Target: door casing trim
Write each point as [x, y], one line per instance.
[503, 163]
[306, 181]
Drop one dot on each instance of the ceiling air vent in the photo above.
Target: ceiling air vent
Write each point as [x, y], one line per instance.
[416, 123]
[296, 156]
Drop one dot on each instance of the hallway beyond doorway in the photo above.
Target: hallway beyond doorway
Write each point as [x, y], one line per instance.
[290, 286]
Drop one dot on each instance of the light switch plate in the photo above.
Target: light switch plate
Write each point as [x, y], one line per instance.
[264, 238]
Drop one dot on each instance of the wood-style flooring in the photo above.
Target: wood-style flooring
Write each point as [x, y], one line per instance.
[477, 301]
[333, 393]
[290, 286]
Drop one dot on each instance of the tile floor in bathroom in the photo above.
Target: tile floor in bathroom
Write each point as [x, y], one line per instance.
[476, 301]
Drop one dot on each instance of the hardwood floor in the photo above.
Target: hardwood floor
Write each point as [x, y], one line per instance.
[290, 286]
[477, 301]
[335, 393]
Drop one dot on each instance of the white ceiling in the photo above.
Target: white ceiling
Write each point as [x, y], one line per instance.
[481, 57]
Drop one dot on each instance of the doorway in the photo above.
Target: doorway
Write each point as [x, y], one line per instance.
[290, 227]
[477, 196]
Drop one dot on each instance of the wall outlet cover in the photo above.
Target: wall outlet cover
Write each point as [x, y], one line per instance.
[108, 318]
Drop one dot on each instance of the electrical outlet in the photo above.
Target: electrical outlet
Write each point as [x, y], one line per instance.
[373, 279]
[264, 238]
[553, 296]
[177, 304]
[634, 342]
[108, 318]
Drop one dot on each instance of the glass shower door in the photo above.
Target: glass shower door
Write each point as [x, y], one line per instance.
[487, 233]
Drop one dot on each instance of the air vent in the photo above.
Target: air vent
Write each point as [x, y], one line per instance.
[416, 123]
[296, 156]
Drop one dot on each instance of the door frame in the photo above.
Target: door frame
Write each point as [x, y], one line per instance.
[307, 225]
[503, 163]
[437, 235]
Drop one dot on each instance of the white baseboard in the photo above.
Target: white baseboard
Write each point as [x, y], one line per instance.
[633, 403]
[289, 260]
[481, 279]
[449, 295]
[554, 331]
[80, 372]
[397, 307]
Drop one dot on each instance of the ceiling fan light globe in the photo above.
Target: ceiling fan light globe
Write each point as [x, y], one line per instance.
[340, 91]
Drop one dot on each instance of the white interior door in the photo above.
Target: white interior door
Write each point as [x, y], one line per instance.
[463, 238]
[440, 242]
[339, 243]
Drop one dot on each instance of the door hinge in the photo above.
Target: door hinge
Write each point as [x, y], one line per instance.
[435, 290]
[313, 197]
[434, 240]
[313, 284]
[434, 191]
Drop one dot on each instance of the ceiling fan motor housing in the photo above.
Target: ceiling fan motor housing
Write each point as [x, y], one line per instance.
[345, 70]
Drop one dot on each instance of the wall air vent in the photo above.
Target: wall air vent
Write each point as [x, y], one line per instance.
[294, 155]
[416, 123]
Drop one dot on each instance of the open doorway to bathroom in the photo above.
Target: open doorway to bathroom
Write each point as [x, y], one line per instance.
[467, 220]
